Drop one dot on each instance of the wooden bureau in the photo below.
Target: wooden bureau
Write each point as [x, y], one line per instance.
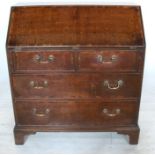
[76, 68]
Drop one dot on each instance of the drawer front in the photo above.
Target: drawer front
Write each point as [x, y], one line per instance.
[76, 113]
[77, 86]
[52, 86]
[108, 61]
[49, 60]
[117, 86]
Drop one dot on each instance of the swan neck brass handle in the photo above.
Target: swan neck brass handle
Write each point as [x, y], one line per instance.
[40, 114]
[111, 114]
[36, 85]
[101, 59]
[119, 84]
[39, 59]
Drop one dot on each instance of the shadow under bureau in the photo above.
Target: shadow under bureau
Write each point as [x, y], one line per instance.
[76, 68]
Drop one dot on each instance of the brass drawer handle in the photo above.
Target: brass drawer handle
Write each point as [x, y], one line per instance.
[40, 114]
[39, 59]
[111, 114]
[119, 84]
[101, 59]
[35, 84]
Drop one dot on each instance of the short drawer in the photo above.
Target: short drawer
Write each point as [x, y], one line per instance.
[43, 60]
[77, 86]
[108, 61]
[76, 113]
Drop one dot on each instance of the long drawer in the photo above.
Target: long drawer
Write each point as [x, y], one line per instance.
[76, 113]
[77, 86]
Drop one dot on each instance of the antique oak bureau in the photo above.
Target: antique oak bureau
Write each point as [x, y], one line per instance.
[76, 68]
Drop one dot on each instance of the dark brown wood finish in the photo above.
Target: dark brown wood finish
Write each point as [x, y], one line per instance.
[76, 113]
[76, 68]
[76, 25]
[89, 61]
[77, 86]
[108, 61]
[49, 61]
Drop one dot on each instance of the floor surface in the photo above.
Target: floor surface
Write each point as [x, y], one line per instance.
[75, 142]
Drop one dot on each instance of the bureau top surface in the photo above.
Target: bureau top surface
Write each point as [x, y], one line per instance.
[75, 26]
